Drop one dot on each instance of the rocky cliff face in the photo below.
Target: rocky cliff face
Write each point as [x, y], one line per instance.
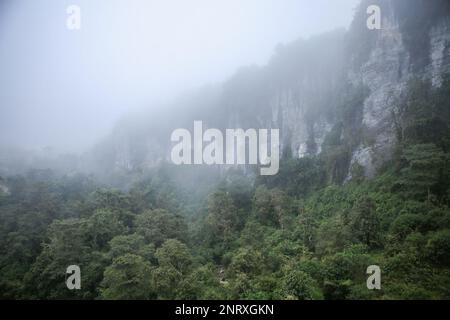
[379, 60]
[386, 72]
[302, 105]
[344, 83]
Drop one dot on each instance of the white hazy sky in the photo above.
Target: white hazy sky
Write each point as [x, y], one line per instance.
[66, 88]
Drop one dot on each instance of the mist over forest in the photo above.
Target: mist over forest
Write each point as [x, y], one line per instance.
[88, 109]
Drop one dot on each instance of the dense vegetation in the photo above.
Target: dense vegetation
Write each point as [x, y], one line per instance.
[303, 234]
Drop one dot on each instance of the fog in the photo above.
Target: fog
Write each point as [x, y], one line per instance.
[67, 88]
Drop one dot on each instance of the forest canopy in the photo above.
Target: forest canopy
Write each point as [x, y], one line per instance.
[298, 235]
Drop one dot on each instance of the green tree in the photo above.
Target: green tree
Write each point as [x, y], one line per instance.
[299, 285]
[158, 225]
[102, 226]
[364, 223]
[67, 244]
[201, 284]
[438, 248]
[175, 254]
[425, 166]
[129, 277]
[221, 224]
[133, 243]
